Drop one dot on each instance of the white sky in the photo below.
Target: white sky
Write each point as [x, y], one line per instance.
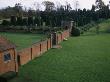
[30, 3]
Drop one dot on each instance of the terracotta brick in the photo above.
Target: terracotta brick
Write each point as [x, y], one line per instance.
[25, 56]
[59, 36]
[65, 34]
[6, 66]
[44, 46]
[35, 50]
[49, 43]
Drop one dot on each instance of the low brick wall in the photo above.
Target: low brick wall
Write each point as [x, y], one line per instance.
[24, 56]
[6, 66]
[49, 44]
[59, 38]
[44, 46]
[37, 49]
[65, 34]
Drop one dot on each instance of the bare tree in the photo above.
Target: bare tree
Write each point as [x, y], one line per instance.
[18, 9]
[99, 4]
[49, 6]
[68, 6]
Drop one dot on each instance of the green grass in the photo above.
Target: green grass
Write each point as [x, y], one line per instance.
[103, 26]
[81, 59]
[22, 40]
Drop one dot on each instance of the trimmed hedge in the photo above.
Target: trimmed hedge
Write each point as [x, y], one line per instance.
[5, 23]
[75, 32]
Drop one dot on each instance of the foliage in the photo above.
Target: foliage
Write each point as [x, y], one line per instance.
[30, 21]
[53, 17]
[5, 23]
[49, 6]
[25, 22]
[103, 26]
[37, 21]
[108, 30]
[75, 32]
[19, 21]
[99, 4]
[13, 20]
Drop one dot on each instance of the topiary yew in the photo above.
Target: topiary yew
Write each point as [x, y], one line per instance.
[75, 31]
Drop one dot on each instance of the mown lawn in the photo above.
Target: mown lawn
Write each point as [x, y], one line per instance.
[22, 40]
[81, 59]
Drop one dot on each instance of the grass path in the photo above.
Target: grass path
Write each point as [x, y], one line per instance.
[81, 59]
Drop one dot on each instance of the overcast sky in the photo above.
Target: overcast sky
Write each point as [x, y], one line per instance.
[30, 3]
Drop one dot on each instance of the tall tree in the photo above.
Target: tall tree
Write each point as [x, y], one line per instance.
[99, 4]
[49, 6]
[18, 9]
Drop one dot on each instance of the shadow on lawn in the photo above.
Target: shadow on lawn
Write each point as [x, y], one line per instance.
[25, 79]
[91, 34]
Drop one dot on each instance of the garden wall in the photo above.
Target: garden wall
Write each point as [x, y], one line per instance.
[61, 36]
[49, 44]
[37, 49]
[24, 56]
[6, 66]
[44, 46]
[65, 34]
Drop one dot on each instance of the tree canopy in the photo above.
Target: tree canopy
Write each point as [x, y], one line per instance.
[53, 16]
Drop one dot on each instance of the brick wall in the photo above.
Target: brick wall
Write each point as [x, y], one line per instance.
[6, 66]
[37, 49]
[49, 43]
[44, 46]
[59, 38]
[65, 34]
[24, 56]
